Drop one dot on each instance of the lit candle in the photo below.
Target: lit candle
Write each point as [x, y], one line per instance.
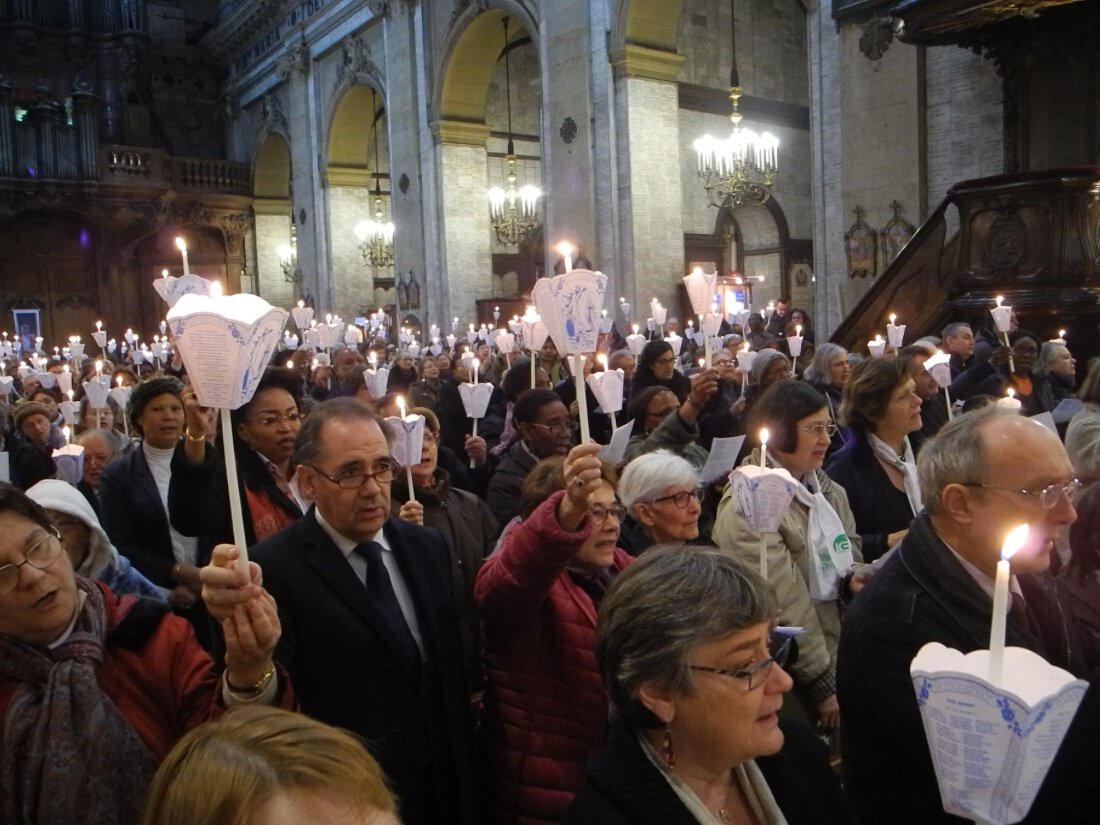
[98, 368]
[98, 326]
[65, 432]
[181, 245]
[565, 249]
[118, 381]
[764, 447]
[401, 407]
[1014, 541]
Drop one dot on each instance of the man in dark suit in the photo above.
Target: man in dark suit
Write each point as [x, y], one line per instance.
[982, 475]
[370, 623]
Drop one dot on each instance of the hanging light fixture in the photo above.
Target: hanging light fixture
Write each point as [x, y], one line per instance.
[514, 213]
[739, 169]
[376, 236]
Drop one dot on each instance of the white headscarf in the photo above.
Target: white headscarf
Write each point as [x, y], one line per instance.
[63, 497]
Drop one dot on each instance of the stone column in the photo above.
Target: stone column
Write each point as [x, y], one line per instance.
[651, 195]
[405, 109]
[87, 137]
[43, 116]
[467, 256]
[568, 169]
[8, 161]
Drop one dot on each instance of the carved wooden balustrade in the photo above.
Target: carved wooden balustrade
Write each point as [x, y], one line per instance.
[1033, 238]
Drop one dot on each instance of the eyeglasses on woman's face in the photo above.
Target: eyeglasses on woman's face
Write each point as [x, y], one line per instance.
[683, 498]
[43, 550]
[599, 513]
[779, 645]
[822, 428]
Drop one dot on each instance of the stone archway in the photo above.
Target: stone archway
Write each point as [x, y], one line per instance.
[468, 129]
[646, 23]
[357, 161]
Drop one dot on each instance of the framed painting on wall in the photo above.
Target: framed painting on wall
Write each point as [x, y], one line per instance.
[28, 327]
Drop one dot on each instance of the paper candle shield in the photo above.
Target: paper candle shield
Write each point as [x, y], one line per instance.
[376, 381]
[97, 393]
[121, 396]
[700, 290]
[745, 359]
[70, 410]
[65, 382]
[47, 379]
[408, 438]
[607, 386]
[171, 289]
[535, 334]
[70, 463]
[302, 316]
[475, 398]
[939, 367]
[570, 305]
[992, 745]
[100, 339]
[635, 343]
[7, 384]
[712, 322]
[877, 348]
[505, 342]
[225, 343]
[895, 335]
[76, 350]
[676, 342]
[325, 336]
[764, 495]
[1002, 317]
[794, 345]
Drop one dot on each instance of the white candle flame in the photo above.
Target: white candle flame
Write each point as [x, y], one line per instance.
[1014, 541]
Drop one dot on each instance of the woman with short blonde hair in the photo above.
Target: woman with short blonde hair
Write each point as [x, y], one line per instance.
[258, 764]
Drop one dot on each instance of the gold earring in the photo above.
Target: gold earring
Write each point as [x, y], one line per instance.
[666, 748]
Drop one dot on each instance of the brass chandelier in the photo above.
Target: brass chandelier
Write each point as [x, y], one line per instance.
[740, 169]
[513, 212]
[376, 236]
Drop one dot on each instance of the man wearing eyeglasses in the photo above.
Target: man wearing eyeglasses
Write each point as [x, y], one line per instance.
[370, 622]
[984, 474]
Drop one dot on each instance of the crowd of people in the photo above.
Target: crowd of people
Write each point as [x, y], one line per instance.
[514, 629]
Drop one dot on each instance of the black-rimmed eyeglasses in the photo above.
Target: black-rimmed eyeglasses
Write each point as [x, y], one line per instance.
[1048, 496]
[42, 552]
[382, 474]
[757, 674]
[683, 498]
[599, 513]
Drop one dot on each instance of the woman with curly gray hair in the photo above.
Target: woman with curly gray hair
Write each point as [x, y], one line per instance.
[693, 665]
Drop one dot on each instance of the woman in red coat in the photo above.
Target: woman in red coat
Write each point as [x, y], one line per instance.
[544, 711]
[95, 688]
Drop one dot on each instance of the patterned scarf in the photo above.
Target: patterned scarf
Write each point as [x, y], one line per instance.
[68, 754]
